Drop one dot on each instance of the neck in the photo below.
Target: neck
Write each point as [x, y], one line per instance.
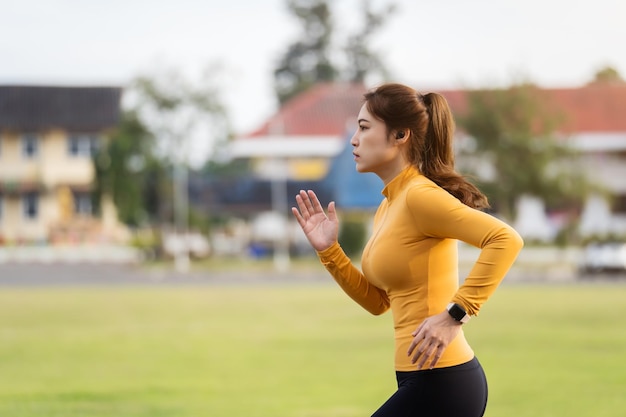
[392, 172]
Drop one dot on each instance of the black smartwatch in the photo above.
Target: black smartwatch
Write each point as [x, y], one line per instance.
[458, 313]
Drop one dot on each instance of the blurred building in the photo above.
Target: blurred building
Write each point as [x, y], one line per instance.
[306, 144]
[593, 124]
[308, 138]
[48, 136]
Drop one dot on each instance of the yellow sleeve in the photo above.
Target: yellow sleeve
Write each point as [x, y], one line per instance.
[352, 281]
[441, 215]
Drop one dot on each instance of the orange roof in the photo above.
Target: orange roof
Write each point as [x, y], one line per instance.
[326, 109]
[592, 108]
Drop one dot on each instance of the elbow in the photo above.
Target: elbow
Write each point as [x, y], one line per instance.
[505, 237]
[516, 241]
[380, 309]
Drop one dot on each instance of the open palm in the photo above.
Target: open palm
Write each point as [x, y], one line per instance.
[321, 230]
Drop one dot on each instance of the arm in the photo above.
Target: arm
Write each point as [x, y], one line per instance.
[352, 281]
[443, 216]
[447, 217]
[322, 232]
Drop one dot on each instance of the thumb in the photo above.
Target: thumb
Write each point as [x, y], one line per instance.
[332, 213]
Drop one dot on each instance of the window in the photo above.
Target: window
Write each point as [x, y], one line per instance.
[83, 145]
[619, 204]
[30, 205]
[82, 204]
[30, 145]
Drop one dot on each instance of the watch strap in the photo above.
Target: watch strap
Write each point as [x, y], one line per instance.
[458, 313]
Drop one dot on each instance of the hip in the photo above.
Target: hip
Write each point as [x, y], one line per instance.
[458, 352]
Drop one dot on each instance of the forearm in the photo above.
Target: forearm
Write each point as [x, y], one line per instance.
[497, 256]
[352, 281]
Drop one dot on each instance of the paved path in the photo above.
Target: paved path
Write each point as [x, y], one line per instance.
[24, 274]
[92, 274]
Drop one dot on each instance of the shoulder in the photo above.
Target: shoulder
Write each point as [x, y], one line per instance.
[422, 187]
[425, 199]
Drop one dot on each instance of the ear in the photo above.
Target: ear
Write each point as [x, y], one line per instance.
[401, 136]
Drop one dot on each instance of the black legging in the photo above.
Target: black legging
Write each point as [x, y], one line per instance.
[456, 391]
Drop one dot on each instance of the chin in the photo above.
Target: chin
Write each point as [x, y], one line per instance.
[361, 169]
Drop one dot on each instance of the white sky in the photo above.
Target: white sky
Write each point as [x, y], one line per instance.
[427, 43]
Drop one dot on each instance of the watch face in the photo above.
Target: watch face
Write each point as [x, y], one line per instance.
[457, 312]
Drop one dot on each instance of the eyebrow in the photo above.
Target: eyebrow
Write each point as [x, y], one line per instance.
[363, 120]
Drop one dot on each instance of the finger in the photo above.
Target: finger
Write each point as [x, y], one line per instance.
[424, 357]
[414, 343]
[314, 202]
[419, 351]
[301, 199]
[437, 356]
[424, 351]
[418, 329]
[307, 203]
[299, 218]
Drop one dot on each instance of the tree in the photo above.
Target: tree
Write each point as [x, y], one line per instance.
[180, 113]
[309, 60]
[306, 61]
[127, 170]
[514, 134]
[607, 75]
[162, 116]
[362, 60]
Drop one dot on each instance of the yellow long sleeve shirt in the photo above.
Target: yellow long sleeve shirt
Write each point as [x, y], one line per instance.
[410, 263]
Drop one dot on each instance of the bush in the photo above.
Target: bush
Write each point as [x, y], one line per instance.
[352, 236]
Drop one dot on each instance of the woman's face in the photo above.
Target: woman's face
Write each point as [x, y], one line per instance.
[374, 149]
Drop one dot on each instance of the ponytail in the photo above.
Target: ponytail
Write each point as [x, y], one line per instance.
[437, 160]
[430, 121]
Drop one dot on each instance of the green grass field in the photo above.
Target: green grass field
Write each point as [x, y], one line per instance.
[291, 351]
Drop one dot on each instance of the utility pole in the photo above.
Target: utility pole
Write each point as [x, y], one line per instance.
[181, 210]
[280, 207]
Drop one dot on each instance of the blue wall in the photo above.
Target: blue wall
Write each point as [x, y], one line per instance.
[350, 189]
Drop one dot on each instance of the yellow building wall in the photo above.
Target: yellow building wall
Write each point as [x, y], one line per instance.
[58, 167]
[312, 169]
[298, 169]
[51, 170]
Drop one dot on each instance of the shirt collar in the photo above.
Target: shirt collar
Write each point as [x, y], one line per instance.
[396, 185]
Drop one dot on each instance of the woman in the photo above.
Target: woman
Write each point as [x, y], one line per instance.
[410, 261]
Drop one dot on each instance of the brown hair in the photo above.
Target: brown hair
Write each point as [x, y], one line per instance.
[429, 119]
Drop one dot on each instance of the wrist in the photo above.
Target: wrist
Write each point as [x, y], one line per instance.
[458, 313]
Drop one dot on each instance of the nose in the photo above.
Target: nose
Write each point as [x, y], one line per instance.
[354, 140]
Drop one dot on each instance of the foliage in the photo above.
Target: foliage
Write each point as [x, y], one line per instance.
[513, 132]
[127, 170]
[235, 168]
[352, 236]
[164, 114]
[362, 60]
[607, 75]
[310, 59]
[306, 61]
[179, 111]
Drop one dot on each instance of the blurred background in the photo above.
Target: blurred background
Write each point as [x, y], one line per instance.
[178, 133]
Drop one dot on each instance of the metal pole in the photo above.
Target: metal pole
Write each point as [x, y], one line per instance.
[280, 206]
[181, 210]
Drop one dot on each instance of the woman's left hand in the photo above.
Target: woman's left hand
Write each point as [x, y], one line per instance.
[431, 338]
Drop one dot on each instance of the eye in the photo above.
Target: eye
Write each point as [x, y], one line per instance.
[361, 127]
